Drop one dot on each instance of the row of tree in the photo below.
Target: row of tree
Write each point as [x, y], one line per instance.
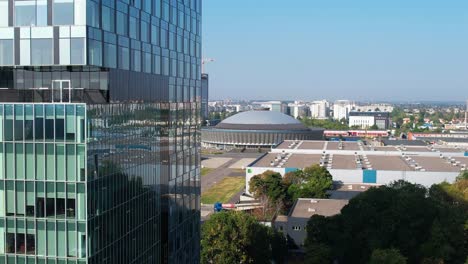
[400, 223]
[277, 194]
[326, 123]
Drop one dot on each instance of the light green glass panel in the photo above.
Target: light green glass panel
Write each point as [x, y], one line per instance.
[61, 190]
[10, 260]
[81, 202]
[50, 162]
[49, 111]
[39, 110]
[59, 111]
[2, 240]
[51, 239]
[41, 238]
[50, 189]
[19, 112]
[10, 225]
[71, 163]
[2, 156]
[81, 162]
[29, 112]
[71, 193]
[71, 250]
[10, 199]
[61, 239]
[30, 227]
[1, 125]
[40, 161]
[70, 119]
[30, 165]
[9, 161]
[19, 161]
[31, 260]
[20, 226]
[81, 240]
[2, 198]
[21, 260]
[60, 165]
[40, 189]
[20, 200]
[30, 196]
[80, 124]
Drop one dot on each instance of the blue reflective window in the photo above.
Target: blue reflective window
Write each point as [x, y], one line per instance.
[25, 13]
[108, 22]
[124, 58]
[77, 48]
[63, 12]
[122, 24]
[42, 52]
[6, 52]
[41, 13]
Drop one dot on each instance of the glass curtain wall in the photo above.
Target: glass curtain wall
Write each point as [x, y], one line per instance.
[43, 183]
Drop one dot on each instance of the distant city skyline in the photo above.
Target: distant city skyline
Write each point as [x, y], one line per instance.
[361, 50]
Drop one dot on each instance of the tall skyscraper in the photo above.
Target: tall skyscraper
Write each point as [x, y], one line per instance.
[205, 84]
[100, 131]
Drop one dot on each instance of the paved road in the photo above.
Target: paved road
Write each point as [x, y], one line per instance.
[233, 155]
[216, 175]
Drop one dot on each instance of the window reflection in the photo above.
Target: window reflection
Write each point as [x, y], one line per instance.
[25, 12]
[42, 52]
[63, 13]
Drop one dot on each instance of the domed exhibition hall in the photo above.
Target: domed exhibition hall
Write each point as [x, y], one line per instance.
[257, 129]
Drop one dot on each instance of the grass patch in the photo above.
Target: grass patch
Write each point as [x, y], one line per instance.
[223, 191]
[211, 152]
[205, 171]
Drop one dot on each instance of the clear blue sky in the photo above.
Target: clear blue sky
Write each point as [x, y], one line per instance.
[355, 49]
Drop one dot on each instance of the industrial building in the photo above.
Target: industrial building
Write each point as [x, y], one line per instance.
[358, 163]
[257, 129]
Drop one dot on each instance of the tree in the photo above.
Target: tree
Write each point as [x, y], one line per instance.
[236, 237]
[312, 182]
[422, 225]
[374, 127]
[387, 256]
[268, 188]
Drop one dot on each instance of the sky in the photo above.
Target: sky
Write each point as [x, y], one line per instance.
[364, 50]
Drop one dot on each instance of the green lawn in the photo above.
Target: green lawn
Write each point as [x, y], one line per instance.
[224, 190]
[205, 171]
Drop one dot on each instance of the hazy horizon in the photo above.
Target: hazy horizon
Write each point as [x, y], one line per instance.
[361, 50]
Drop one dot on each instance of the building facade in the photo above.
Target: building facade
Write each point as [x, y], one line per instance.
[341, 109]
[319, 109]
[367, 120]
[100, 131]
[205, 84]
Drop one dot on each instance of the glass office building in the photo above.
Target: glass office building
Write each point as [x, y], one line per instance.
[205, 111]
[100, 131]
